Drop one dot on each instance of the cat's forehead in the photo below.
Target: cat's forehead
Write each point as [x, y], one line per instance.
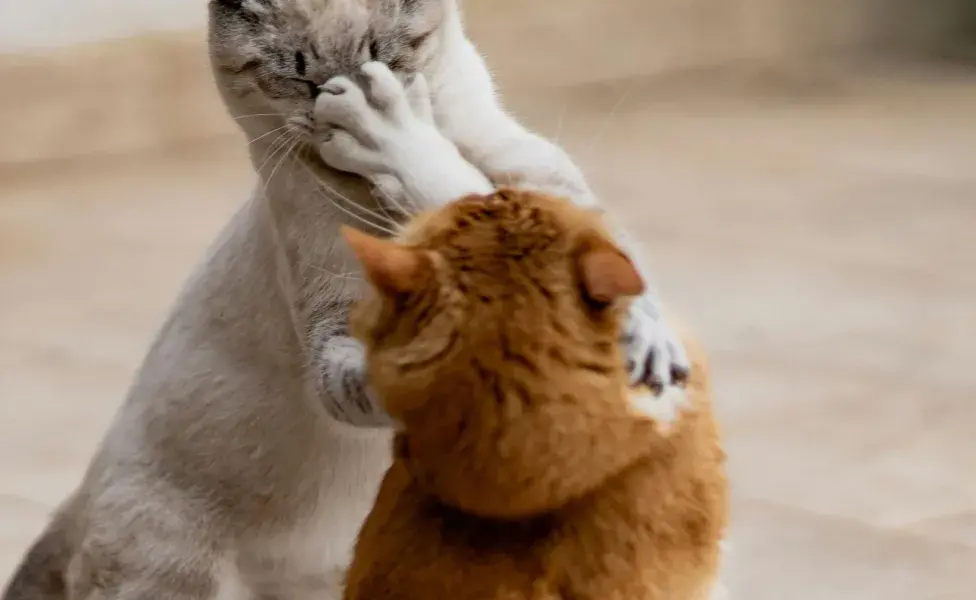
[307, 18]
[519, 214]
[335, 19]
[517, 234]
[335, 32]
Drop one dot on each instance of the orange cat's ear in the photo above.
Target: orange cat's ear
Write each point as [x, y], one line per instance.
[606, 272]
[390, 267]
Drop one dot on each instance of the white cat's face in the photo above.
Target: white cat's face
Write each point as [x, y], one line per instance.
[271, 56]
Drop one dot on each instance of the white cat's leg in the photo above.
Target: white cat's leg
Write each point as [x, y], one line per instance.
[387, 137]
[418, 94]
[468, 112]
[385, 134]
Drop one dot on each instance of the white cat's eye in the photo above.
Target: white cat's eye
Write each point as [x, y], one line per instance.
[300, 63]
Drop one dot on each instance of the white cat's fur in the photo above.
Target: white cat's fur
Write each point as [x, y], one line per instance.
[242, 462]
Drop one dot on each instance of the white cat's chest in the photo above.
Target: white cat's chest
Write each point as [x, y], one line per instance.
[308, 559]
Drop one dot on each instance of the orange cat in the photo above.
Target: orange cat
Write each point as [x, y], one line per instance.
[524, 469]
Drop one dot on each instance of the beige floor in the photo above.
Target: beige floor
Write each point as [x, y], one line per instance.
[818, 236]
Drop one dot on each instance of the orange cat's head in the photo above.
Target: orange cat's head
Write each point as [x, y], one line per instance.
[492, 322]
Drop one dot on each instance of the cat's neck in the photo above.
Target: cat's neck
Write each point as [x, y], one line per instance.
[539, 463]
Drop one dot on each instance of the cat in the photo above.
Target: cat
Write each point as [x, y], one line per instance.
[248, 449]
[524, 468]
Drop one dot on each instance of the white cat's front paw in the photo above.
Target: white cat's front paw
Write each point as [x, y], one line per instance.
[372, 130]
[655, 355]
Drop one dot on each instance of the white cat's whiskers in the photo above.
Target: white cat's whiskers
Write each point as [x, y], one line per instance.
[341, 202]
[608, 120]
[292, 144]
[255, 115]
[360, 218]
[332, 194]
[264, 135]
[286, 155]
[559, 123]
[396, 204]
[290, 140]
[387, 198]
[348, 275]
[277, 145]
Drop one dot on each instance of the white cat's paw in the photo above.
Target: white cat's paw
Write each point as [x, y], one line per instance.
[655, 355]
[350, 126]
[373, 130]
[344, 151]
[418, 94]
[664, 409]
[387, 93]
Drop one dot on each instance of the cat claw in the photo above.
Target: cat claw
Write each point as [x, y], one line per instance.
[656, 356]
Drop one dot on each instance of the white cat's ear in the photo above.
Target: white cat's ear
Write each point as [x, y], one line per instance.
[390, 267]
[606, 273]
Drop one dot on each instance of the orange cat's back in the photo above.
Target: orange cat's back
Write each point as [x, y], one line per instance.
[525, 469]
[666, 515]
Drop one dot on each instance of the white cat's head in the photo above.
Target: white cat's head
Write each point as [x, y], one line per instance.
[270, 56]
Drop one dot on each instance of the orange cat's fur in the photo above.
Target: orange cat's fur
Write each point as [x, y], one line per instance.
[523, 470]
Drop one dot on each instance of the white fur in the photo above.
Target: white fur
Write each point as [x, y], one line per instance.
[308, 561]
[663, 409]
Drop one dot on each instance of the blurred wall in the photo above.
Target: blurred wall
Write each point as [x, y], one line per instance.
[35, 24]
[753, 27]
[656, 36]
[83, 76]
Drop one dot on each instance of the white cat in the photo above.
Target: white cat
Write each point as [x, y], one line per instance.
[248, 451]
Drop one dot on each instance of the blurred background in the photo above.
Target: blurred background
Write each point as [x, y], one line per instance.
[803, 174]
